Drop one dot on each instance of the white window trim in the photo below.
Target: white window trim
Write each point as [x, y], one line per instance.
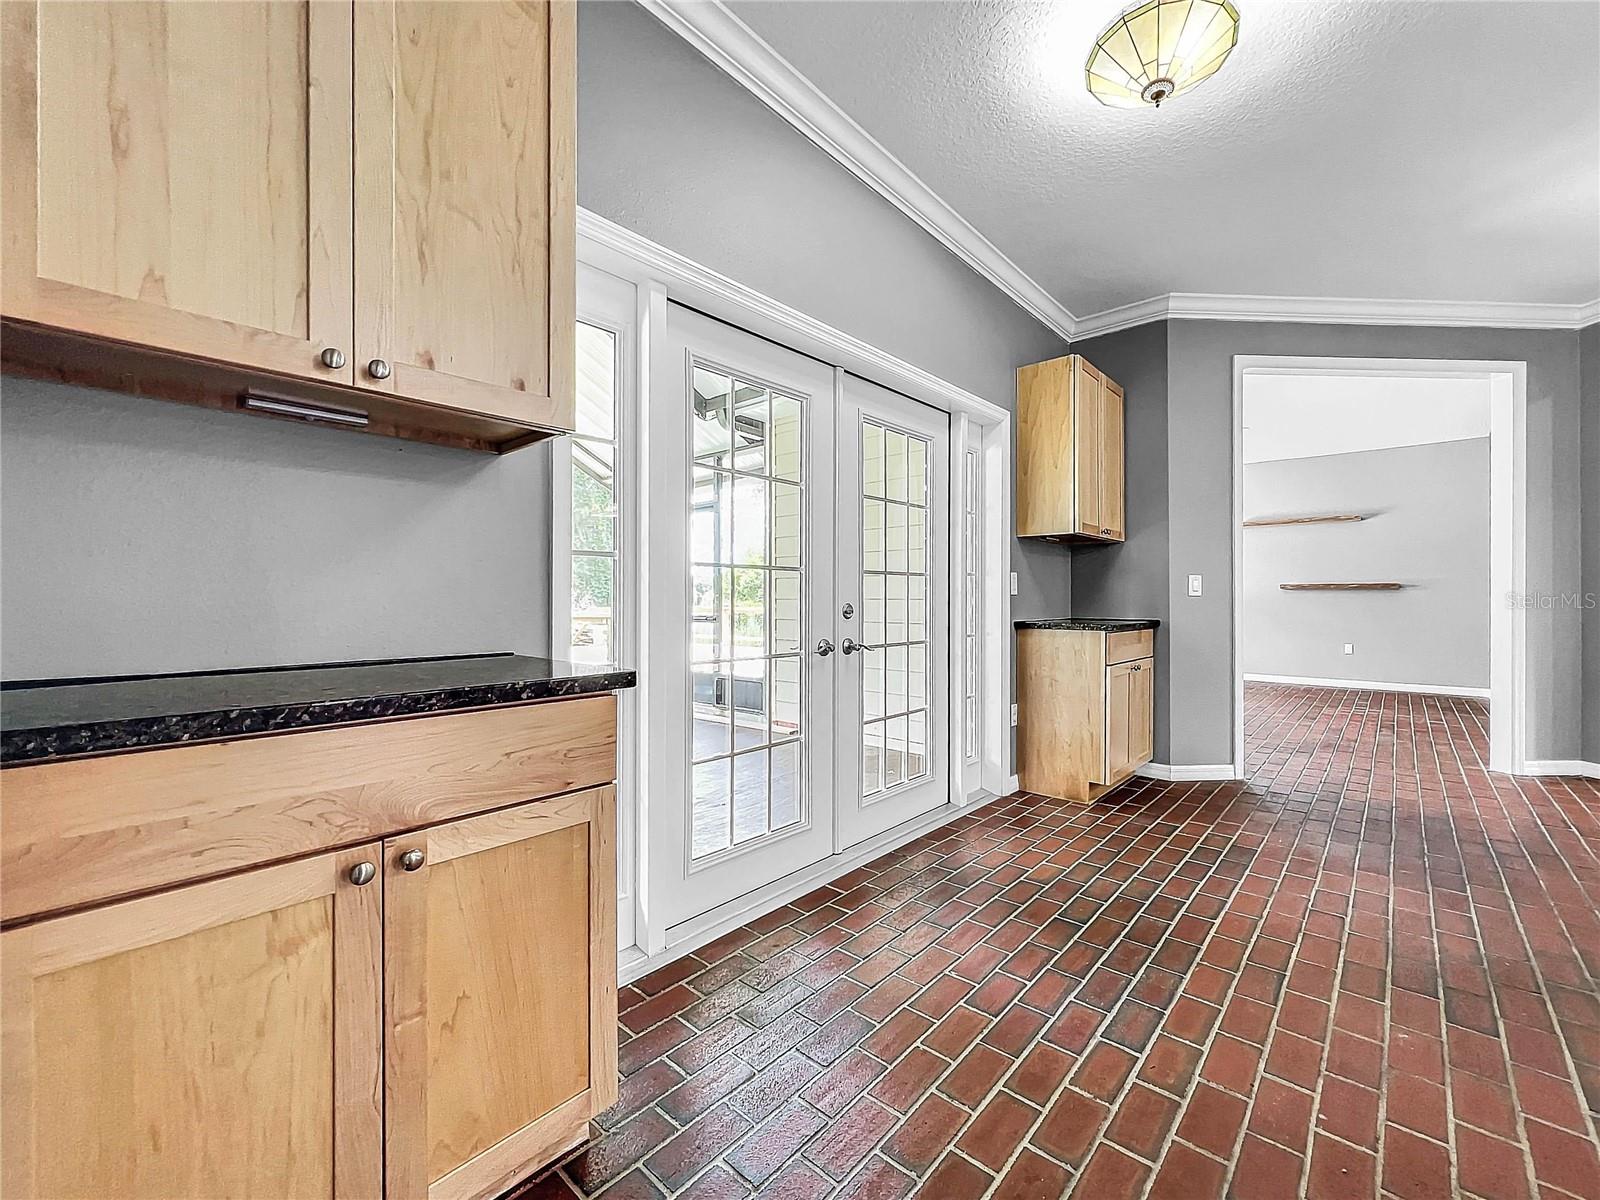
[660, 274]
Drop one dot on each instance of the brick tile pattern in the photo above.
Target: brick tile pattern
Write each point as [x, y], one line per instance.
[1368, 972]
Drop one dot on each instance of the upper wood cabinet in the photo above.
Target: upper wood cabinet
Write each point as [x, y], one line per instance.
[364, 206]
[178, 175]
[1069, 452]
[222, 1039]
[466, 211]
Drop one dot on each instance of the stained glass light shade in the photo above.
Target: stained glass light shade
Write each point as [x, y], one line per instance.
[1160, 48]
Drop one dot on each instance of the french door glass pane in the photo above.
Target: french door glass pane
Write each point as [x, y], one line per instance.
[747, 613]
[593, 546]
[895, 554]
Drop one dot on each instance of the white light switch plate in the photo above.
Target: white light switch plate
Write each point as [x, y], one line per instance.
[1194, 585]
[1349, 647]
[1013, 714]
[1013, 583]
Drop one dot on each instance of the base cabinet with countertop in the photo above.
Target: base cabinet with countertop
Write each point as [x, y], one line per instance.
[430, 1012]
[1085, 705]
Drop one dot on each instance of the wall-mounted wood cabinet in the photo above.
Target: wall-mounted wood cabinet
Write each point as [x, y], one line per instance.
[431, 1013]
[1069, 452]
[1086, 709]
[363, 207]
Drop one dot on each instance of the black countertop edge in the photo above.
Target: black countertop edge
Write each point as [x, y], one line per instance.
[66, 719]
[1089, 624]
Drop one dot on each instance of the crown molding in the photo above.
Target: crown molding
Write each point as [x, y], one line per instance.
[615, 248]
[739, 51]
[1199, 306]
[744, 56]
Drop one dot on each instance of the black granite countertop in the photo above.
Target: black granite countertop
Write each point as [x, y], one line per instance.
[1088, 624]
[57, 718]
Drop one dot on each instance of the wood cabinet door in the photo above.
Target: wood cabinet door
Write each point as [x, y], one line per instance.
[1088, 416]
[1141, 714]
[179, 176]
[1119, 722]
[500, 976]
[222, 1039]
[1044, 448]
[1111, 462]
[466, 217]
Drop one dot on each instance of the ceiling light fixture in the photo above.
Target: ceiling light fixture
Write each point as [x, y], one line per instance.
[1159, 48]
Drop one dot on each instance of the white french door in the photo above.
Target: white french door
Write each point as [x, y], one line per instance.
[891, 700]
[741, 486]
[783, 493]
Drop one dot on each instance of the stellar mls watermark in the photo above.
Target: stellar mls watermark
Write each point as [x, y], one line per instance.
[1549, 601]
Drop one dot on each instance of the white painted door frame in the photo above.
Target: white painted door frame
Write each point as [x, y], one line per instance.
[1508, 528]
[661, 275]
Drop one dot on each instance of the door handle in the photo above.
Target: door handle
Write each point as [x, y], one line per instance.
[851, 646]
[824, 647]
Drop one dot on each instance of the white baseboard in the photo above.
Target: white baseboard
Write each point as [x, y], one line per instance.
[1155, 770]
[1563, 766]
[1370, 685]
[633, 963]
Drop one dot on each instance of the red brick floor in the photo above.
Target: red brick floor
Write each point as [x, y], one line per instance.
[1370, 971]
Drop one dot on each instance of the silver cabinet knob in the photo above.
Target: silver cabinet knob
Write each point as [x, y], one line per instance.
[824, 647]
[851, 646]
[411, 860]
[362, 874]
[333, 358]
[378, 368]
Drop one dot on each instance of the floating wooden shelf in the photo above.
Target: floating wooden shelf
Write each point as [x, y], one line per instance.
[1330, 518]
[1341, 587]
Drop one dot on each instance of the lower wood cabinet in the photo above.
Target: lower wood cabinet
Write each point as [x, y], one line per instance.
[432, 1015]
[501, 1025]
[1086, 707]
[223, 1039]
[1129, 709]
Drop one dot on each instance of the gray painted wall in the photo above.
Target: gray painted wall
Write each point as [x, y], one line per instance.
[672, 148]
[1130, 579]
[145, 536]
[1200, 434]
[1427, 526]
[142, 536]
[1589, 388]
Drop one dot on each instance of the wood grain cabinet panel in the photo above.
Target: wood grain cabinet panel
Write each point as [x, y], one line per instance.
[1112, 466]
[216, 1040]
[500, 944]
[1070, 454]
[466, 208]
[1088, 410]
[178, 176]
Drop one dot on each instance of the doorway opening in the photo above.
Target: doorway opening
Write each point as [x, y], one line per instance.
[1379, 537]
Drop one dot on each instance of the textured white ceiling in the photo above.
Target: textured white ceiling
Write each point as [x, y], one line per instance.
[1393, 149]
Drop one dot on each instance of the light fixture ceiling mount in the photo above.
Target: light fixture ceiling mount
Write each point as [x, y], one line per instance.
[1160, 48]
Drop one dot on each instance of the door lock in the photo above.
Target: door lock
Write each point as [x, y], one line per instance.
[848, 611]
